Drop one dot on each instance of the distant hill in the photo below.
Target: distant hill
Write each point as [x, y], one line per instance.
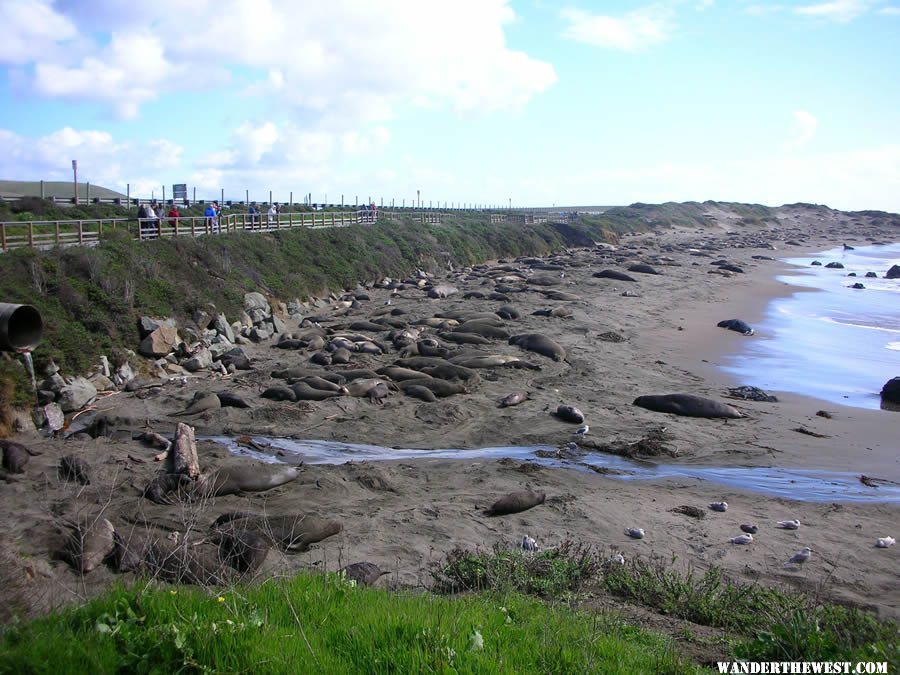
[32, 188]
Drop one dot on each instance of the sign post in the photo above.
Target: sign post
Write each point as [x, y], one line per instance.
[75, 182]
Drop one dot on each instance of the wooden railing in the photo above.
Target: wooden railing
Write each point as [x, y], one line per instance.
[88, 232]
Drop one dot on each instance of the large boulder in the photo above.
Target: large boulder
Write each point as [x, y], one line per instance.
[890, 392]
[893, 273]
[202, 359]
[147, 325]
[76, 394]
[160, 342]
[223, 327]
[257, 301]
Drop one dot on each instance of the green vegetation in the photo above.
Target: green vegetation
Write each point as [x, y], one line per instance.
[764, 624]
[323, 623]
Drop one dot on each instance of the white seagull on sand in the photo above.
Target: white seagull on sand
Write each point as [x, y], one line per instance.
[742, 539]
[719, 506]
[789, 524]
[529, 544]
[582, 430]
[634, 532]
[618, 558]
[799, 557]
[884, 542]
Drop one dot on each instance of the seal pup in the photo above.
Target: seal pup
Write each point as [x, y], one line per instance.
[280, 393]
[75, 468]
[799, 557]
[742, 539]
[789, 524]
[88, 545]
[736, 325]
[420, 392]
[569, 413]
[515, 502]
[540, 344]
[231, 400]
[363, 573]
[244, 551]
[202, 402]
[15, 456]
[635, 532]
[515, 398]
[687, 405]
[885, 542]
[721, 507]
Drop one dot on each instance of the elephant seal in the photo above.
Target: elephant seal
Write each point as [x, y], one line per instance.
[442, 291]
[321, 359]
[440, 388]
[15, 456]
[450, 371]
[321, 383]
[202, 402]
[363, 573]
[398, 373]
[507, 312]
[513, 399]
[88, 545]
[541, 344]
[229, 400]
[288, 533]
[159, 489]
[280, 393]
[613, 274]
[419, 362]
[562, 296]
[569, 413]
[420, 392]
[736, 325]
[304, 392]
[641, 268]
[464, 338]
[515, 502]
[244, 478]
[359, 374]
[483, 328]
[244, 551]
[687, 405]
[75, 468]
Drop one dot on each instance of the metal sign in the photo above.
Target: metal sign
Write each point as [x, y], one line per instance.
[74, 165]
[179, 191]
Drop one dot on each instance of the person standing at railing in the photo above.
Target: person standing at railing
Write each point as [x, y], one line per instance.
[145, 220]
[253, 212]
[272, 214]
[212, 221]
[174, 215]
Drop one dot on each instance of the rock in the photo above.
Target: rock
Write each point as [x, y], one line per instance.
[54, 383]
[49, 415]
[259, 334]
[223, 327]
[871, 275]
[45, 396]
[277, 324]
[816, 263]
[893, 273]
[890, 392]
[257, 316]
[123, 374]
[834, 266]
[104, 366]
[160, 342]
[77, 394]
[257, 301]
[147, 325]
[858, 286]
[102, 382]
[199, 361]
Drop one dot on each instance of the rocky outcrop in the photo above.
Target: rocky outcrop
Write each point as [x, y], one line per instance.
[893, 273]
[890, 392]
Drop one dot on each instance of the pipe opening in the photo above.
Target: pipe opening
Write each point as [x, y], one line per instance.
[21, 327]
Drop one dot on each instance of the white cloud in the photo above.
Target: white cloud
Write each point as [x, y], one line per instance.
[30, 30]
[836, 10]
[630, 32]
[892, 10]
[805, 125]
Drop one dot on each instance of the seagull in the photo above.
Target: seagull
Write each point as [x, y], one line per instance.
[799, 557]
[529, 544]
[884, 542]
[618, 558]
[749, 529]
[719, 506]
[742, 539]
[634, 532]
[582, 430]
[789, 524]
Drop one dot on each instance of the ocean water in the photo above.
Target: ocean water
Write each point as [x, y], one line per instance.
[837, 343]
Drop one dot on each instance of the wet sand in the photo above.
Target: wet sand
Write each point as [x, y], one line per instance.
[406, 515]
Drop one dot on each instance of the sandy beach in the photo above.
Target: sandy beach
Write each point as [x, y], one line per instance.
[405, 515]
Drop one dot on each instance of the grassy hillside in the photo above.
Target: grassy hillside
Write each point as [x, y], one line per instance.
[59, 188]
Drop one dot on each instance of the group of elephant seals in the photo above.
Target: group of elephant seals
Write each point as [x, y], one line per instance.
[687, 405]
[226, 481]
[736, 325]
[515, 502]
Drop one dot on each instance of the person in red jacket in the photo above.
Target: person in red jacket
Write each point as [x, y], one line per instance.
[173, 214]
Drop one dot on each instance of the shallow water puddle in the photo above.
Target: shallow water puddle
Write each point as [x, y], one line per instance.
[799, 484]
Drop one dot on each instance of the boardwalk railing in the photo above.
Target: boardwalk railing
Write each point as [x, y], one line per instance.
[88, 232]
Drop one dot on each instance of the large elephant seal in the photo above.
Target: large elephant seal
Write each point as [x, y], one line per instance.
[244, 551]
[289, 533]
[687, 405]
[245, 478]
[420, 392]
[305, 392]
[736, 325]
[642, 268]
[15, 456]
[202, 402]
[569, 413]
[89, 544]
[540, 344]
[279, 393]
[440, 388]
[515, 502]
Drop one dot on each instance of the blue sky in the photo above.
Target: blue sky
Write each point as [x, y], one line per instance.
[474, 101]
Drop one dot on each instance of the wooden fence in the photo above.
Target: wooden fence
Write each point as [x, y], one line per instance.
[88, 232]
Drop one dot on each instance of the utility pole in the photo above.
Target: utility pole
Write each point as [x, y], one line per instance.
[75, 182]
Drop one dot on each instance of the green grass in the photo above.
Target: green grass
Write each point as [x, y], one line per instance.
[322, 623]
[764, 623]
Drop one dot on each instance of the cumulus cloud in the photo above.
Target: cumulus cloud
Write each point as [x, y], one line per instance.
[805, 125]
[630, 32]
[31, 30]
[346, 60]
